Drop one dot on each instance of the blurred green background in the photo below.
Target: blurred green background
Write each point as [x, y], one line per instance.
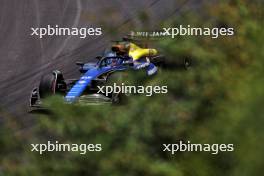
[218, 100]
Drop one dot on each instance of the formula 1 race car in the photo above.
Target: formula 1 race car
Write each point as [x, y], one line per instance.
[121, 57]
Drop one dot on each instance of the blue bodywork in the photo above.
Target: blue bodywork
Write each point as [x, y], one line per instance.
[107, 64]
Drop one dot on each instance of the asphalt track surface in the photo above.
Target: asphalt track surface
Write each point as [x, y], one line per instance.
[24, 58]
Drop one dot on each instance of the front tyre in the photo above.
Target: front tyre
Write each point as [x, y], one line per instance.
[47, 86]
[51, 84]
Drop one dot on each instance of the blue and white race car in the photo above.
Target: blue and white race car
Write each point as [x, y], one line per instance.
[93, 75]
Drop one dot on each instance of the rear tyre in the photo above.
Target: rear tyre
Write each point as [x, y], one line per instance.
[158, 60]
